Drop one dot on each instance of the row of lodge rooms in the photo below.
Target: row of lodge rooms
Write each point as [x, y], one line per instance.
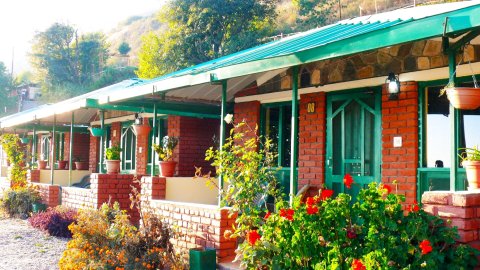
[361, 96]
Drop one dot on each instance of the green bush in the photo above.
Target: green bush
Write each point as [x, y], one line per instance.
[18, 202]
[113, 153]
[372, 233]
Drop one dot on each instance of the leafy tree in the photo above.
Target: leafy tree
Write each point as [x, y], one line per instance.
[124, 48]
[314, 13]
[65, 61]
[7, 103]
[202, 30]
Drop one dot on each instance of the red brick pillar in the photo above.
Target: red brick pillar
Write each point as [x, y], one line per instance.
[248, 112]
[141, 153]
[116, 132]
[400, 119]
[460, 209]
[93, 153]
[312, 134]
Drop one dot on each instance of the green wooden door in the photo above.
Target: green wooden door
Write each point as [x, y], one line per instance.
[353, 139]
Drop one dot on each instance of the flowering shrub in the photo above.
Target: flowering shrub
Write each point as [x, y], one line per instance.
[17, 202]
[372, 233]
[54, 221]
[105, 239]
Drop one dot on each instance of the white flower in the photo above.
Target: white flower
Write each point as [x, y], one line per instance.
[228, 118]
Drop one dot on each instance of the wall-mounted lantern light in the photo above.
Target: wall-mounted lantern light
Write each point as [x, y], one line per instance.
[393, 86]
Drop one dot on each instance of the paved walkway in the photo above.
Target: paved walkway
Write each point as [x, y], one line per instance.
[23, 247]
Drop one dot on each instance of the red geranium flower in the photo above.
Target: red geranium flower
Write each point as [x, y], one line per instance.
[312, 209]
[267, 215]
[326, 193]
[425, 247]
[388, 188]
[287, 213]
[348, 180]
[253, 237]
[414, 207]
[358, 265]
[311, 201]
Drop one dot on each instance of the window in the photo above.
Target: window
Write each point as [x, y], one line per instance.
[129, 145]
[438, 132]
[45, 148]
[277, 126]
[162, 131]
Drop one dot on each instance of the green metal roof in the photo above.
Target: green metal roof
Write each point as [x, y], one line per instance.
[346, 37]
[340, 39]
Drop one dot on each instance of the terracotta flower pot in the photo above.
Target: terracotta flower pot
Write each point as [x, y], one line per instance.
[113, 166]
[141, 130]
[42, 164]
[465, 98]
[167, 168]
[81, 165]
[472, 168]
[62, 164]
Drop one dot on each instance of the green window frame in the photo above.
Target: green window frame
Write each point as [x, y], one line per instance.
[282, 166]
[162, 130]
[128, 143]
[437, 178]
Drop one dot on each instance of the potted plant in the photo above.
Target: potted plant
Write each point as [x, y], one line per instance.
[80, 165]
[62, 164]
[471, 162]
[42, 162]
[464, 98]
[112, 155]
[140, 127]
[165, 154]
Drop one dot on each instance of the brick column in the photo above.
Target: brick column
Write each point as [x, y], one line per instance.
[460, 209]
[248, 112]
[93, 155]
[400, 119]
[33, 176]
[141, 153]
[115, 132]
[312, 134]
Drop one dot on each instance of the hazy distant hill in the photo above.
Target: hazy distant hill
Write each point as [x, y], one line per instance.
[131, 31]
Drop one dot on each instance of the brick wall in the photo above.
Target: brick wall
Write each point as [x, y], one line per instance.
[400, 118]
[154, 187]
[103, 188]
[93, 156]
[195, 137]
[460, 209]
[141, 153]
[33, 176]
[50, 194]
[312, 133]
[81, 144]
[115, 132]
[248, 112]
[201, 225]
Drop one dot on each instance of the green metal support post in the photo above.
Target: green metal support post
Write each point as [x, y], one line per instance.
[454, 115]
[70, 153]
[223, 112]
[154, 126]
[52, 161]
[34, 146]
[294, 137]
[102, 140]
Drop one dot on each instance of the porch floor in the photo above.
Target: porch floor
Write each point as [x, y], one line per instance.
[228, 264]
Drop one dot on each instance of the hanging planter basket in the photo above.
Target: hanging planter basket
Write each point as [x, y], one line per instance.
[464, 98]
[96, 132]
[141, 130]
[25, 140]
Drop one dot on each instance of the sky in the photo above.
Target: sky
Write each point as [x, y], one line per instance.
[20, 19]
